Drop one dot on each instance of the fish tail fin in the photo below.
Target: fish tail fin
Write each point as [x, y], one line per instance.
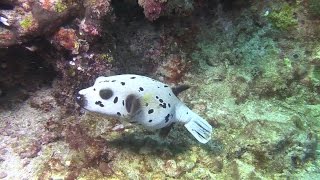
[195, 124]
[200, 129]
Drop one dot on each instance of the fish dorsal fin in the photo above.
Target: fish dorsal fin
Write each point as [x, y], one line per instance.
[132, 104]
[178, 89]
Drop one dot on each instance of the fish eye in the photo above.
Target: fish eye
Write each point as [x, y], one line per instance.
[105, 93]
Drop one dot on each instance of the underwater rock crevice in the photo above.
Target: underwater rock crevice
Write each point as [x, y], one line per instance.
[23, 72]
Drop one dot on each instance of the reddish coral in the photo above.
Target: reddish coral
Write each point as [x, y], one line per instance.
[95, 149]
[174, 69]
[30, 151]
[152, 9]
[68, 39]
[44, 104]
[96, 9]
[89, 151]
[241, 92]
[89, 28]
[105, 168]
[46, 4]
[6, 37]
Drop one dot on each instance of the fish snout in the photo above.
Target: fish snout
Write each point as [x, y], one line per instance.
[81, 100]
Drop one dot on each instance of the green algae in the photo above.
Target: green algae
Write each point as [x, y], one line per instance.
[283, 18]
[315, 75]
[106, 57]
[60, 6]
[27, 22]
[314, 7]
[250, 49]
[287, 63]
[275, 62]
[315, 67]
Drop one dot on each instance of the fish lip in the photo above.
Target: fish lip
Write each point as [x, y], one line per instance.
[81, 100]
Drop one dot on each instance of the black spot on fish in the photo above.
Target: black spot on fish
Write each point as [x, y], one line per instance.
[169, 105]
[113, 81]
[161, 100]
[165, 86]
[132, 104]
[164, 105]
[123, 83]
[123, 102]
[157, 97]
[94, 89]
[132, 77]
[99, 103]
[150, 120]
[106, 93]
[147, 104]
[167, 118]
[150, 111]
[118, 113]
[115, 99]
[141, 89]
[169, 94]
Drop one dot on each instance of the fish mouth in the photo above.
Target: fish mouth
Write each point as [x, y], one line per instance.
[81, 100]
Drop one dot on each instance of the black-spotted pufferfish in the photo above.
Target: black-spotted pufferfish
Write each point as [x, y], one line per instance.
[142, 100]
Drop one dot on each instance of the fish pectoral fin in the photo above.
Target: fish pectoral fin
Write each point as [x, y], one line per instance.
[178, 89]
[165, 131]
[133, 104]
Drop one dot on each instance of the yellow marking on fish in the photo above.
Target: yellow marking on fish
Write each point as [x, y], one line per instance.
[147, 98]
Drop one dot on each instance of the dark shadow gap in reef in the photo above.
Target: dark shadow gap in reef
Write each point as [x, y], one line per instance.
[6, 6]
[22, 71]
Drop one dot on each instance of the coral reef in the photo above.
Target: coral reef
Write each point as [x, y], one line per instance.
[26, 20]
[68, 39]
[152, 8]
[173, 69]
[253, 68]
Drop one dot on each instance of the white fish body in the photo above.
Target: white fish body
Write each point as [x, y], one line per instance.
[142, 100]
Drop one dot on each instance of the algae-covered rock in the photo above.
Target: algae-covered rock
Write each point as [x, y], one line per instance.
[314, 7]
[238, 169]
[268, 142]
[26, 20]
[282, 17]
